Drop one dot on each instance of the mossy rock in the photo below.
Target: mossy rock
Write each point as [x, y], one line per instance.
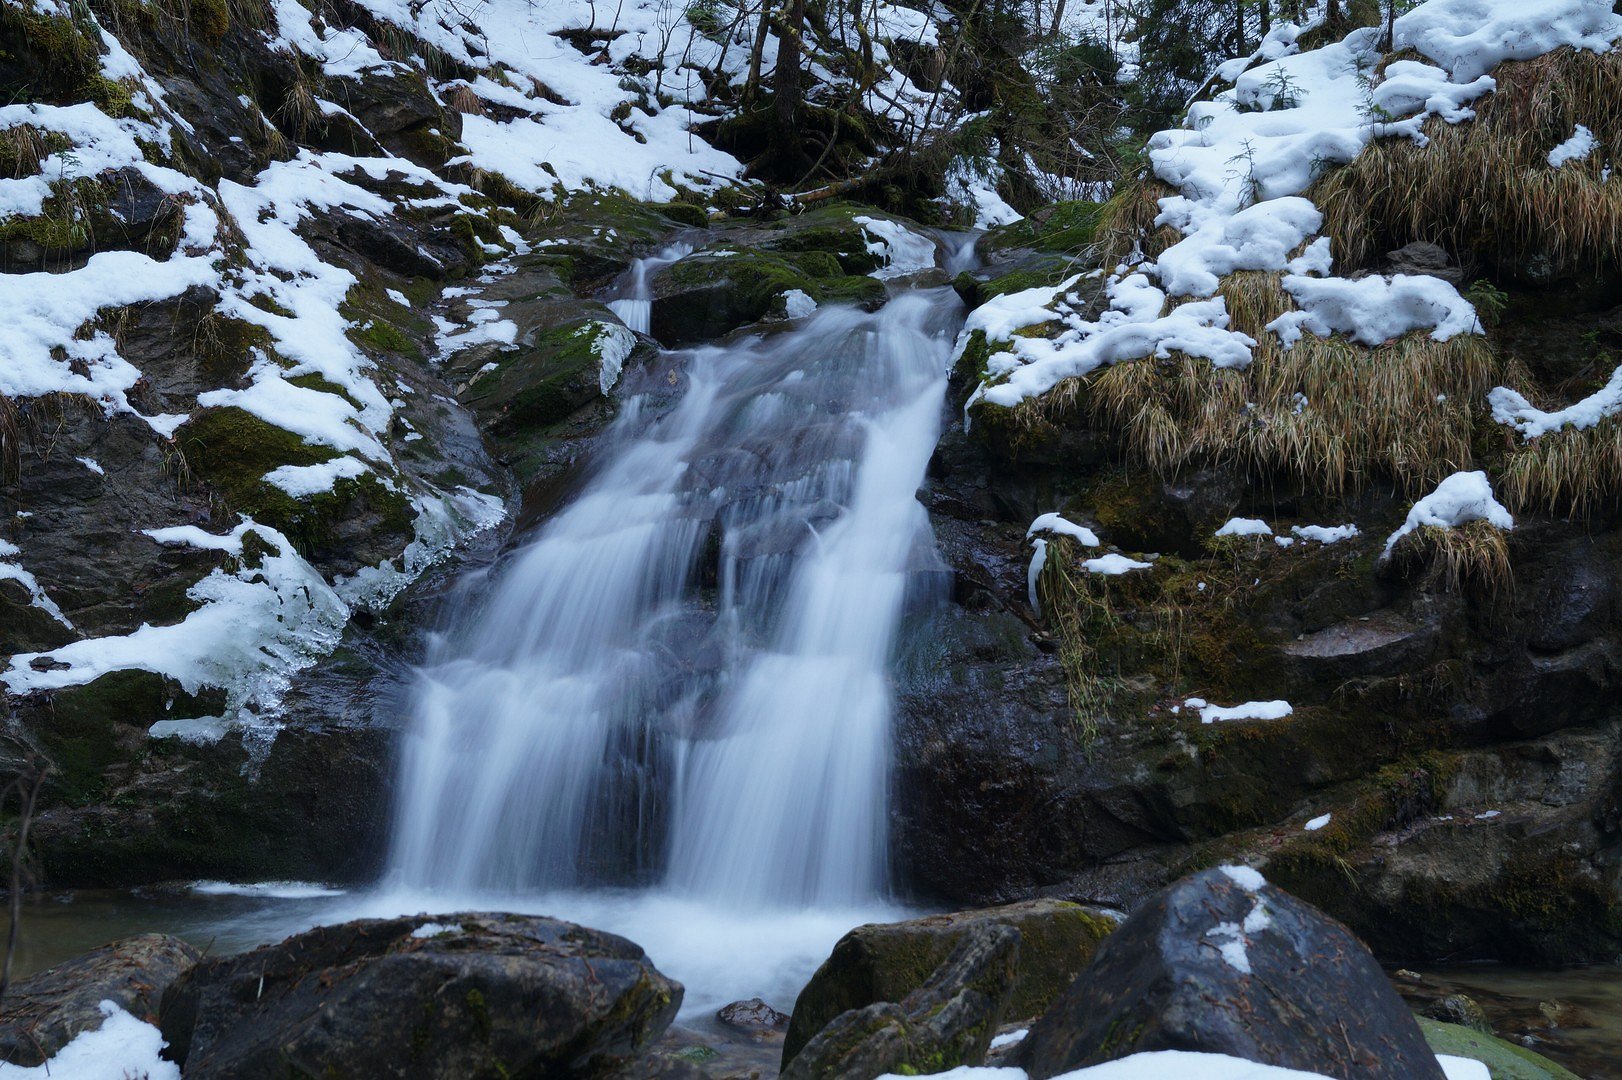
[233, 449]
[703, 297]
[1065, 228]
[358, 521]
[541, 383]
[91, 728]
[1504, 1060]
[887, 961]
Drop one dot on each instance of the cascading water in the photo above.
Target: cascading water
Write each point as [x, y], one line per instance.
[681, 681]
[635, 309]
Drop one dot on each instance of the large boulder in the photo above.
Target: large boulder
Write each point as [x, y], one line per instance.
[884, 962]
[946, 1022]
[1223, 963]
[464, 996]
[45, 1011]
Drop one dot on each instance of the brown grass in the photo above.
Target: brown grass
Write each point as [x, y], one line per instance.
[462, 98]
[1474, 556]
[1484, 189]
[1128, 219]
[1404, 410]
[1567, 470]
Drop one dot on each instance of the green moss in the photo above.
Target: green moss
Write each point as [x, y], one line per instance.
[93, 727]
[480, 1013]
[695, 217]
[232, 450]
[383, 336]
[313, 381]
[1504, 1060]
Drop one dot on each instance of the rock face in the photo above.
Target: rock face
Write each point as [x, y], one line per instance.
[470, 995]
[1465, 739]
[46, 1010]
[1223, 963]
[884, 962]
[946, 1022]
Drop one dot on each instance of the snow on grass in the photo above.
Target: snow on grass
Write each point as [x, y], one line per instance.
[1113, 565]
[1375, 309]
[1245, 527]
[1059, 525]
[1581, 144]
[1324, 534]
[1318, 822]
[1461, 498]
[122, 1047]
[1240, 164]
[1511, 408]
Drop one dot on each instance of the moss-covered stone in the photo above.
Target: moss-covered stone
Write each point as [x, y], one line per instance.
[702, 297]
[1504, 1060]
[887, 961]
[91, 728]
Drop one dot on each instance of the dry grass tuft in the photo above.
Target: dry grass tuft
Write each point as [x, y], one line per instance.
[462, 98]
[1328, 411]
[1484, 189]
[1566, 470]
[1128, 220]
[1079, 610]
[1474, 556]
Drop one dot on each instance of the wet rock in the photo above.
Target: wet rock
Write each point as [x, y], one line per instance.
[1423, 257]
[752, 1015]
[467, 995]
[1462, 1010]
[946, 1022]
[1223, 963]
[884, 962]
[45, 1011]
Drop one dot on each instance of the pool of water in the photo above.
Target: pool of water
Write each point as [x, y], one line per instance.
[720, 954]
[1572, 1016]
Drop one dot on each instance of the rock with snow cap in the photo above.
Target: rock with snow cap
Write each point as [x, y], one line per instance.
[1224, 963]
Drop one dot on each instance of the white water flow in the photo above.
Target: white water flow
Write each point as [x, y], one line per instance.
[682, 679]
[636, 308]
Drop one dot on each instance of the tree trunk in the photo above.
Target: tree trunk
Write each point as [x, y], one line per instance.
[751, 85]
[787, 88]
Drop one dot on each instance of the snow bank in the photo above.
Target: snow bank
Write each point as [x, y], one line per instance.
[1461, 498]
[120, 1048]
[1240, 165]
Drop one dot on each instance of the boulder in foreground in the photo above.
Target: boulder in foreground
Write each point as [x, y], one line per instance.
[947, 1022]
[887, 961]
[454, 996]
[1223, 963]
[46, 1010]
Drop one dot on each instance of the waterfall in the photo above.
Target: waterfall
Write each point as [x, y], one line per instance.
[635, 308]
[681, 679]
